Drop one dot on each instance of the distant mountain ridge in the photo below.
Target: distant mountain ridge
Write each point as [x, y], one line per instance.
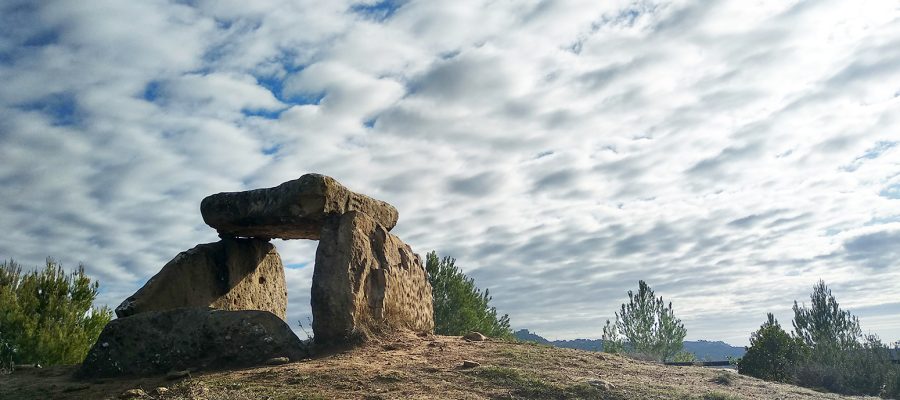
[702, 349]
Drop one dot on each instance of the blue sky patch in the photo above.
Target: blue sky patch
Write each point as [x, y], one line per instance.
[891, 192]
[151, 91]
[380, 11]
[262, 113]
[297, 265]
[276, 86]
[43, 38]
[61, 108]
[304, 98]
[271, 149]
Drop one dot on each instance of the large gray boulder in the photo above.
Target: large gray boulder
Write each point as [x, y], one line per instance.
[157, 342]
[293, 210]
[366, 283]
[231, 274]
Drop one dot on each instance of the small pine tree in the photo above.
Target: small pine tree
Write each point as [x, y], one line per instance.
[612, 341]
[648, 325]
[824, 325]
[773, 355]
[459, 306]
[46, 316]
[841, 359]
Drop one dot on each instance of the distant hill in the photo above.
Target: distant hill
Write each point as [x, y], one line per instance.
[702, 349]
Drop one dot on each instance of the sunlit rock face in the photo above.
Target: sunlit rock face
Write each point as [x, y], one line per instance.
[367, 282]
[229, 298]
[231, 274]
[293, 210]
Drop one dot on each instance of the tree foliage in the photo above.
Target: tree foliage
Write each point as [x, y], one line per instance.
[645, 325]
[46, 315]
[824, 325]
[773, 354]
[459, 306]
[841, 358]
[827, 351]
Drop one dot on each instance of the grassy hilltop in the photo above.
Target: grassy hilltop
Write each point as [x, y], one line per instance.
[426, 368]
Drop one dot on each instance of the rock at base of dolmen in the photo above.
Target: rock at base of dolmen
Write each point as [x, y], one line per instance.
[293, 210]
[157, 342]
[231, 274]
[367, 283]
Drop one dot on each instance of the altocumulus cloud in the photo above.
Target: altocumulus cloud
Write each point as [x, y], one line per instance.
[730, 155]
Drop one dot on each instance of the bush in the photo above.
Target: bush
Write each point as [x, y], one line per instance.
[6, 355]
[863, 369]
[645, 325]
[841, 360]
[459, 306]
[827, 351]
[773, 355]
[46, 316]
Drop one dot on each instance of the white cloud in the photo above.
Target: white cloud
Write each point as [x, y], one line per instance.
[730, 155]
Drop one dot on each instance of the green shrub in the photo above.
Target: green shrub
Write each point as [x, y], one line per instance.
[773, 355]
[841, 360]
[862, 369]
[726, 378]
[826, 352]
[459, 306]
[46, 316]
[6, 354]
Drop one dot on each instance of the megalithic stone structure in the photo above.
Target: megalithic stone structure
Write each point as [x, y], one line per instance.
[293, 210]
[231, 274]
[366, 282]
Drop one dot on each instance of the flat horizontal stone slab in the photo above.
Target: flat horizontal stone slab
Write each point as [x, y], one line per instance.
[156, 342]
[293, 210]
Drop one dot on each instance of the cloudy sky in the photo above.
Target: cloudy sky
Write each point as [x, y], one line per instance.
[730, 153]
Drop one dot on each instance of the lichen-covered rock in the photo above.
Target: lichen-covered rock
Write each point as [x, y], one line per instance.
[231, 274]
[293, 210]
[155, 342]
[366, 283]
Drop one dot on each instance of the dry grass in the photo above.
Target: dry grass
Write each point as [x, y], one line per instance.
[428, 368]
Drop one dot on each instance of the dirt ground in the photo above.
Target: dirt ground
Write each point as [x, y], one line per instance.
[424, 368]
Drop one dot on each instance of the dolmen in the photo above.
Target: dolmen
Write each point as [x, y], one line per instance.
[223, 304]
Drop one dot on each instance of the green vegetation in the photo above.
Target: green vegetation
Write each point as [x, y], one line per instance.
[459, 306]
[645, 325]
[46, 316]
[827, 351]
[726, 378]
[773, 354]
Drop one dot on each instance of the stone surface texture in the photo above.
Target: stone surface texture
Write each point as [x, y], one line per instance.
[366, 283]
[231, 274]
[156, 342]
[293, 210]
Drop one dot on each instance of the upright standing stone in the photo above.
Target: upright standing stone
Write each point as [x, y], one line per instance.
[366, 282]
[292, 210]
[231, 274]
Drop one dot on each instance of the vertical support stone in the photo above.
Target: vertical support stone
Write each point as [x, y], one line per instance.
[231, 274]
[366, 283]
